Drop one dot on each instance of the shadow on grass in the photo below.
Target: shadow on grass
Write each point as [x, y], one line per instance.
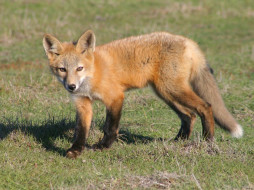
[130, 138]
[45, 133]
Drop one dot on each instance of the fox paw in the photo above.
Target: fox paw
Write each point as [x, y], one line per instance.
[105, 142]
[73, 153]
[100, 146]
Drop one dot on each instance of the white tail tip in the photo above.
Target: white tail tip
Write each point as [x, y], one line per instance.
[238, 132]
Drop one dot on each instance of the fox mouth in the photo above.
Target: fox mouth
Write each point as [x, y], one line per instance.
[71, 91]
[72, 88]
[81, 88]
[75, 91]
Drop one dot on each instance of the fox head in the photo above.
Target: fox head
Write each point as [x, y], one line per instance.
[72, 63]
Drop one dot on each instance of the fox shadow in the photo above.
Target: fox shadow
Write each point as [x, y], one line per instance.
[47, 132]
[129, 137]
[44, 133]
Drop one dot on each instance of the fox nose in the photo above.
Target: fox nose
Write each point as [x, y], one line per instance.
[72, 87]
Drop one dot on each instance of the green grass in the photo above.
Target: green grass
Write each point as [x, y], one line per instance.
[37, 116]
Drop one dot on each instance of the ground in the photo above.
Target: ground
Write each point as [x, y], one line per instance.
[37, 116]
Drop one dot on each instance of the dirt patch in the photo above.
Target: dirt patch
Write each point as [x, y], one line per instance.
[158, 180]
[19, 64]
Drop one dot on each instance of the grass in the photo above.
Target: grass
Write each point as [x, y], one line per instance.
[37, 117]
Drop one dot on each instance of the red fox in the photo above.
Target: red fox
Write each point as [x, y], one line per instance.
[172, 65]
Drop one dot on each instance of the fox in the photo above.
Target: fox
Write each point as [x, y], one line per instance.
[174, 66]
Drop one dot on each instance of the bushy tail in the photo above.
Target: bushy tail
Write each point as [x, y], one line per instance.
[205, 86]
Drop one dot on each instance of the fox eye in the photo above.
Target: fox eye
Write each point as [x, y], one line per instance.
[62, 69]
[79, 68]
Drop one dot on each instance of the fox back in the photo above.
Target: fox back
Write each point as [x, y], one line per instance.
[173, 65]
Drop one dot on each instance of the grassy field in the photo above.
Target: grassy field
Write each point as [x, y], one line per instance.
[37, 116]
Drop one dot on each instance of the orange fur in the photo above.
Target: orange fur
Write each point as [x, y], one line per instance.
[169, 63]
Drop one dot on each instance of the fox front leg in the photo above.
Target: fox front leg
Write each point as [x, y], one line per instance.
[84, 118]
[111, 126]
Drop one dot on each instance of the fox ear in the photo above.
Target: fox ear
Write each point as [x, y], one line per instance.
[52, 46]
[86, 42]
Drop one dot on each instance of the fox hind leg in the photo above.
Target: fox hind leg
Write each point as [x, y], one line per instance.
[192, 101]
[185, 102]
[187, 116]
[188, 119]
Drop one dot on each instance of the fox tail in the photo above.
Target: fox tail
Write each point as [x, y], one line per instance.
[205, 86]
